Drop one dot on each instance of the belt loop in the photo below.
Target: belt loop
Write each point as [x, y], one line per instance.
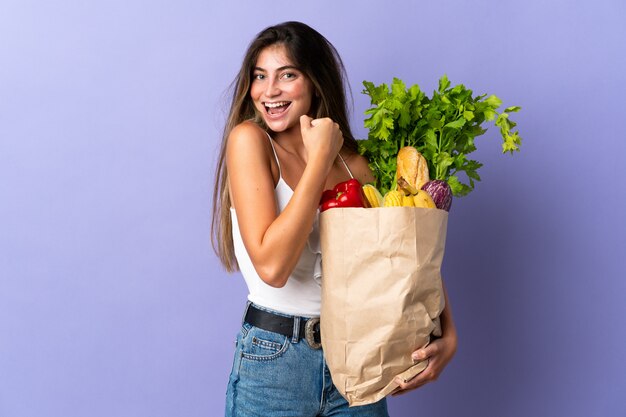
[296, 330]
[245, 312]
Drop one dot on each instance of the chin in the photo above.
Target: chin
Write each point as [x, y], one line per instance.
[281, 126]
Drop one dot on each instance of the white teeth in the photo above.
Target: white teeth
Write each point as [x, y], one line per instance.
[277, 104]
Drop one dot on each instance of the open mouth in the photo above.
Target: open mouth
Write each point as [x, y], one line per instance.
[276, 108]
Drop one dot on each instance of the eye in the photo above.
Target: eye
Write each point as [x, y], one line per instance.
[258, 76]
[289, 75]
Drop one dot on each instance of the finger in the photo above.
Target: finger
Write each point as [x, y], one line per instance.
[305, 122]
[338, 130]
[430, 374]
[406, 386]
[422, 380]
[399, 389]
[414, 383]
[419, 355]
[426, 352]
[315, 122]
[323, 120]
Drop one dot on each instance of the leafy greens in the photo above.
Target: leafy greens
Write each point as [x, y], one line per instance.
[442, 128]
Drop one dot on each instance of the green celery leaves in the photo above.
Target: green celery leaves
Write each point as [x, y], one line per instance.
[442, 127]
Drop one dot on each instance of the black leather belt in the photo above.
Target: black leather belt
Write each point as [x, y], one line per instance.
[309, 327]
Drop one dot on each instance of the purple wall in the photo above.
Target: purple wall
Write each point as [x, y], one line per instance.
[111, 300]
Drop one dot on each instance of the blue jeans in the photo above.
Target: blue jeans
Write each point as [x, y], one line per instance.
[278, 376]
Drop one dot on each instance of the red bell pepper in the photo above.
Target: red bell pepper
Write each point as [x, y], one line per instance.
[345, 194]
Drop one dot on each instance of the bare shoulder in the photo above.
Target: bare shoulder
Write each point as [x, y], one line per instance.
[247, 140]
[247, 132]
[248, 151]
[359, 166]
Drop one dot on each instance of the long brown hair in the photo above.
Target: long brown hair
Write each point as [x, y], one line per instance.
[318, 60]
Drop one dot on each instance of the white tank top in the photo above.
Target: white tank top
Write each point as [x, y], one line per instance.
[301, 295]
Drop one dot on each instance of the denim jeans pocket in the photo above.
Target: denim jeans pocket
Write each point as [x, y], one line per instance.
[262, 345]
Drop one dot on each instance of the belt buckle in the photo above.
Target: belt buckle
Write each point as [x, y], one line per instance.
[309, 332]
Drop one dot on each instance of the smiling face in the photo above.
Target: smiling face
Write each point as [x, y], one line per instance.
[281, 93]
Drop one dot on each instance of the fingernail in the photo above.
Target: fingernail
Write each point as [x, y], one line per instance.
[418, 355]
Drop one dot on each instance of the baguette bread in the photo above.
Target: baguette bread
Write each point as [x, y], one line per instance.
[412, 167]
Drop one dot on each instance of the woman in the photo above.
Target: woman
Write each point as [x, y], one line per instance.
[286, 140]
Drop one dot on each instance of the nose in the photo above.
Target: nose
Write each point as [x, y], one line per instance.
[272, 89]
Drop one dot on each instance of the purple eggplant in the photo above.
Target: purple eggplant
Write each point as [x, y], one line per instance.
[440, 192]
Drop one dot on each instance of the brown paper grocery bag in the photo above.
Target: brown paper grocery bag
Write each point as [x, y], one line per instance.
[381, 294]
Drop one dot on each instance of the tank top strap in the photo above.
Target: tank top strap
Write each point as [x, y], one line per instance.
[345, 165]
[280, 174]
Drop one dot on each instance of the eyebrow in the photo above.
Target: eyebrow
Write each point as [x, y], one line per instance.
[278, 69]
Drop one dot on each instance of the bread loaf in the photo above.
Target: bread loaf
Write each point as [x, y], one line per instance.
[412, 166]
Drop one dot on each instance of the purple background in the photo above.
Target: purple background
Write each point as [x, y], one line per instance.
[111, 300]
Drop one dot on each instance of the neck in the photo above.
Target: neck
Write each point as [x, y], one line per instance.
[291, 141]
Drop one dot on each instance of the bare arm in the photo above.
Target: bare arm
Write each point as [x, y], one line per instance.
[275, 240]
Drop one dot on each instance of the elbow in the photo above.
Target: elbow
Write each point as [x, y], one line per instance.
[273, 276]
